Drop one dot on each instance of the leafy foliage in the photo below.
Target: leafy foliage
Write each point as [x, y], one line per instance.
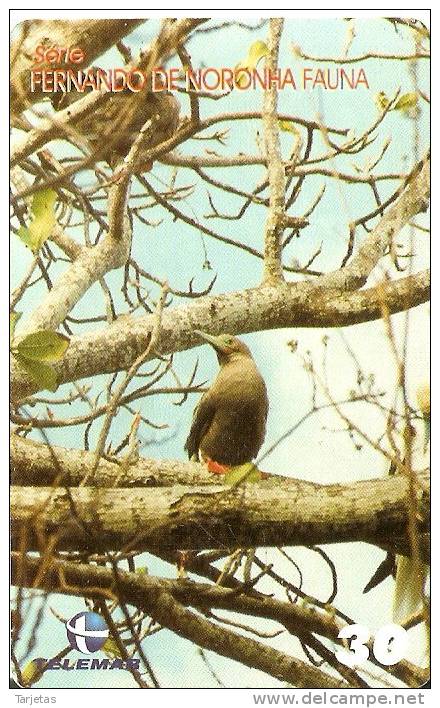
[37, 351]
[256, 52]
[43, 220]
[32, 672]
[248, 473]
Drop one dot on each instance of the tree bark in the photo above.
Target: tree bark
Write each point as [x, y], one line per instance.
[94, 37]
[256, 309]
[37, 464]
[275, 512]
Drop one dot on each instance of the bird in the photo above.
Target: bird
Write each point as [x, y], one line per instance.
[410, 578]
[229, 422]
[112, 128]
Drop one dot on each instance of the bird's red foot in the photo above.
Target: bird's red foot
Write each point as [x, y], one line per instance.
[216, 467]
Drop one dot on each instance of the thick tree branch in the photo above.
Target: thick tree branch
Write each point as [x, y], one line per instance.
[202, 596]
[300, 304]
[243, 649]
[37, 464]
[94, 37]
[170, 37]
[275, 512]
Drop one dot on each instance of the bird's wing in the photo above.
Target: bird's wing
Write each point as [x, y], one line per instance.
[202, 419]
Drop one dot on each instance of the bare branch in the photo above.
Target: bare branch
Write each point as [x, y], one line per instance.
[273, 270]
[154, 598]
[360, 57]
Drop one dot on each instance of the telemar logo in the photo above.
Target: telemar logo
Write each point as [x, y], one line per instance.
[87, 632]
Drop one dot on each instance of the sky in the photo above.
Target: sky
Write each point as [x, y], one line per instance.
[319, 450]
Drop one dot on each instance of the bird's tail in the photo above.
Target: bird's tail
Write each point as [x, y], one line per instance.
[410, 588]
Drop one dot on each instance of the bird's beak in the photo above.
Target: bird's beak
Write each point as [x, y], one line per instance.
[214, 341]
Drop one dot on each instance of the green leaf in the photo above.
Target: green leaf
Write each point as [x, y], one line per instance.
[43, 201]
[13, 319]
[30, 673]
[43, 374]
[256, 52]
[43, 220]
[406, 102]
[243, 473]
[44, 345]
[382, 101]
[111, 648]
[287, 126]
[25, 236]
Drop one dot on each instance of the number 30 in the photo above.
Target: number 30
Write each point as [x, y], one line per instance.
[389, 646]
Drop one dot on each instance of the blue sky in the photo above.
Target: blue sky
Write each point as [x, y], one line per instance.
[175, 251]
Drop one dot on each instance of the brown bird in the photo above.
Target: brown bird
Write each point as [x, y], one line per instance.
[229, 422]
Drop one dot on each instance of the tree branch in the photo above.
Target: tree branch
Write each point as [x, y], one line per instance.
[37, 464]
[90, 265]
[275, 512]
[273, 269]
[94, 37]
[141, 591]
[157, 598]
[414, 199]
[300, 304]
[54, 126]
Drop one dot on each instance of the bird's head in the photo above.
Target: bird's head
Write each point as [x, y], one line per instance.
[226, 346]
